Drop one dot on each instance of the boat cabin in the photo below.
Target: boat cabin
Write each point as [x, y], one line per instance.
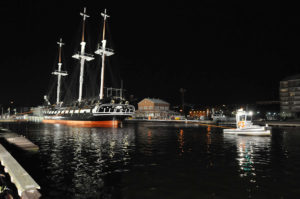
[243, 119]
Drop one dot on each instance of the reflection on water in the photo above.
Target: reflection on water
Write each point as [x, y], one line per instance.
[151, 160]
[248, 149]
[258, 167]
[77, 160]
[208, 136]
[181, 142]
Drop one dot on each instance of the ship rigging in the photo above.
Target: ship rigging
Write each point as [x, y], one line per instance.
[109, 110]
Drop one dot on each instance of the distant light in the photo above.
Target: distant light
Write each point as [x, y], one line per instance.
[250, 113]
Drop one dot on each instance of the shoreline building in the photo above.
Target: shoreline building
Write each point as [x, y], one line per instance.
[152, 108]
[289, 92]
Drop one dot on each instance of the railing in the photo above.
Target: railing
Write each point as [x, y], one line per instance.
[120, 109]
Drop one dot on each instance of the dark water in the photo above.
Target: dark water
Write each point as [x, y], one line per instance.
[151, 160]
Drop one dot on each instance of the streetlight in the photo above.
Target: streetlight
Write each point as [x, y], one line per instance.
[1, 110]
[182, 91]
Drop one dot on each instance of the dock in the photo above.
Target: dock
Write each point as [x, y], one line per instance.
[26, 186]
[6, 120]
[20, 141]
[171, 121]
[209, 123]
[228, 124]
[279, 123]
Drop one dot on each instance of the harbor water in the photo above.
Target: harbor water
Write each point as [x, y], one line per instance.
[159, 160]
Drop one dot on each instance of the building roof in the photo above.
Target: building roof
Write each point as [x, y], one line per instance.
[292, 77]
[156, 101]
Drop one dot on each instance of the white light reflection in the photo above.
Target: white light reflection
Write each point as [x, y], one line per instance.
[252, 152]
[181, 142]
[83, 156]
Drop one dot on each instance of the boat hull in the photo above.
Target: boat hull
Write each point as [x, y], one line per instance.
[97, 115]
[85, 120]
[258, 132]
[111, 123]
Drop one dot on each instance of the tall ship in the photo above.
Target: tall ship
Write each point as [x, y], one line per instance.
[104, 110]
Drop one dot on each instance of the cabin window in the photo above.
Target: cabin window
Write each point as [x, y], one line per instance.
[242, 118]
[249, 118]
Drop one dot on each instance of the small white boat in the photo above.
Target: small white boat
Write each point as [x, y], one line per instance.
[244, 125]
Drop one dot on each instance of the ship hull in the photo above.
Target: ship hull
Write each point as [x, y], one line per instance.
[108, 123]
[85, 120]
[99, 115]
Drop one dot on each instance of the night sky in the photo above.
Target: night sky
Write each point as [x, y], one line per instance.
[221, 52]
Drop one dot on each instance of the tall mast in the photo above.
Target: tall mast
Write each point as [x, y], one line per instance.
[82, 56]
[58, 72]
[102, 50]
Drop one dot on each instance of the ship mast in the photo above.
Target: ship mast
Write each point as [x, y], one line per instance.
[102, 50]
[59, 72]
[82, 56]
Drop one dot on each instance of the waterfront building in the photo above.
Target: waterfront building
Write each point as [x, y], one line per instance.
[153, 108]
[196, 114]
[269, 110]
[289, 91]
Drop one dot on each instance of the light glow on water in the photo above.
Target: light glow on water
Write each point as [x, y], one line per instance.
[151, 160]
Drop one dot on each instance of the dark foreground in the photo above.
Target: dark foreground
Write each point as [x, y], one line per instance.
[152, 160]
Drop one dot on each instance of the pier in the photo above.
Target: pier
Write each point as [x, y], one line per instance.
[280, 123]
[20, 142]
[221, 124]
[26, 186]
